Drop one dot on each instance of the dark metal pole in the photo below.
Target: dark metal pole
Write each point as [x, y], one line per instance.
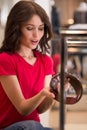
[65, 33]
[62, 109]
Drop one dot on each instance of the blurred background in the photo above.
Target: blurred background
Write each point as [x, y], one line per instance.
[63, 14]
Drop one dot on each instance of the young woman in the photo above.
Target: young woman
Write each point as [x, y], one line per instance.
[25, 68]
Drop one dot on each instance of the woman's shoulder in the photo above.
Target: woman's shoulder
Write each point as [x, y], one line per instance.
[5, 55]
[7, 63]
[47, 61]
[46, 58]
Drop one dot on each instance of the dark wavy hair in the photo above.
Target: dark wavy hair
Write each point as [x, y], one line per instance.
[21, 12]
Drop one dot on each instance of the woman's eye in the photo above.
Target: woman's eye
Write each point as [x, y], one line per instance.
[32, 28]
[41, 29]
[29, 28]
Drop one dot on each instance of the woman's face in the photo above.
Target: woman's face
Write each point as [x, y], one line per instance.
[32, 32]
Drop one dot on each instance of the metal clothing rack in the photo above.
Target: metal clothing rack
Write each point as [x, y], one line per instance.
[63, 34]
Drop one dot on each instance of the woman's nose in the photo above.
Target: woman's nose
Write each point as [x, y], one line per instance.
[35, 33]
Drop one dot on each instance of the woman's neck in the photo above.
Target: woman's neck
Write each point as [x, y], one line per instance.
[26, 53]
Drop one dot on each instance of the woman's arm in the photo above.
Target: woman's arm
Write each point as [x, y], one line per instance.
[48, 101]
[13, 91]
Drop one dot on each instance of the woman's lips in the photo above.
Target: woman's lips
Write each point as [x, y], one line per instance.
[34, 42]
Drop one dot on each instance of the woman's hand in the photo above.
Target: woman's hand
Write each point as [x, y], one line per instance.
[47, 93]
[48, 100]
[66, 86]
[55, 83]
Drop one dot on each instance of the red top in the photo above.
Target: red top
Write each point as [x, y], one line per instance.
[31, 79]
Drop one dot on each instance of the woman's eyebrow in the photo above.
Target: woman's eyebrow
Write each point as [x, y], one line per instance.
[33, 25]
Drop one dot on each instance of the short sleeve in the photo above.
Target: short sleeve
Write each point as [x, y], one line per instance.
[7, 66]
[48, 65]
